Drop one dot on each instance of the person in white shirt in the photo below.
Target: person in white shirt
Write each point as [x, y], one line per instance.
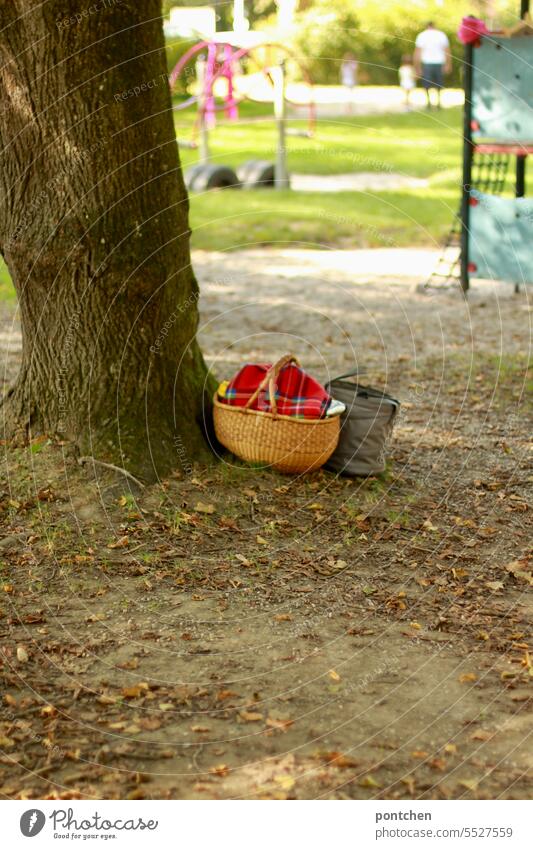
[432, 59]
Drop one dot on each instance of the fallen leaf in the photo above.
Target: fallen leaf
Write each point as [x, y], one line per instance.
[481, 734]
[516, 569]
[369, 781]
[261, 540]
[280, 724]
[487, 532]
[228, 523]
[465, 523]
[225, 694]
[150, 723]
[337, 759]
[410, 784]
[494, 585]
[200, 507]
[33, 618]
[106, 700]
[242, 559]
[250, 716]
[120, 543]
[467, 677]
[136, 691]
[470, 784]
[220, 770]
[286, 782]
[22, 654]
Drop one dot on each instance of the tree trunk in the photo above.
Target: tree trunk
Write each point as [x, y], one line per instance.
[94, 230]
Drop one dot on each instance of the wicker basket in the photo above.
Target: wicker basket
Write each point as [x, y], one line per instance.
[286, 443]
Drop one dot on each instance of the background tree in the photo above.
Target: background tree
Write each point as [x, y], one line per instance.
[380, 33]
[94, 231]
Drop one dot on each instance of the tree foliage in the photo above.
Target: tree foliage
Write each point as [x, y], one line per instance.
[379, 33]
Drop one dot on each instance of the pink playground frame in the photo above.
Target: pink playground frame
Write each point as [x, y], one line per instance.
[225, 69]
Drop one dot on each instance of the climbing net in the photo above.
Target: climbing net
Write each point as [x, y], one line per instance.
[490, 166]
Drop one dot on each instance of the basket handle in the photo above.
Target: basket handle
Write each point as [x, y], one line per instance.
[270, 379]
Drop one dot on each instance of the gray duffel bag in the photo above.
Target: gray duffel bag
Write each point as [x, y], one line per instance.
[366, 426]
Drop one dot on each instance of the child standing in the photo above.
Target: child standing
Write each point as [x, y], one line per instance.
[406, 72]
[349, 77]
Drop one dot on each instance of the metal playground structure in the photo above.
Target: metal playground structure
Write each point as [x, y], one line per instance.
[492, 237]
[227, 71]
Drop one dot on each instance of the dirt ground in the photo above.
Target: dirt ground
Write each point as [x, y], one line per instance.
[235, 633]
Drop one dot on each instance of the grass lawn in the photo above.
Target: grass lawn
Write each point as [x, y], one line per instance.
[7, 292]
[420, 144]
[416, 144]
[314, 219]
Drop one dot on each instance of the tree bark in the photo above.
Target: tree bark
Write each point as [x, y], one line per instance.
[94, 230]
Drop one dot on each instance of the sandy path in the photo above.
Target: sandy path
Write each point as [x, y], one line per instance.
[362, 181]
[336, 309]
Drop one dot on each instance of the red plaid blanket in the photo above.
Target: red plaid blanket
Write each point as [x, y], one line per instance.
[297, 393]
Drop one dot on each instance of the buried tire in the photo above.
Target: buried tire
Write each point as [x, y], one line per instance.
[257, 174]
[191, 175]
[202, 178]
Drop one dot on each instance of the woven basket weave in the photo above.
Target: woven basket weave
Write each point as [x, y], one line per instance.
[286, 443]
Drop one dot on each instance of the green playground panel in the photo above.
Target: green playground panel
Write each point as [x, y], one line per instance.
[501, 238]
[502, 89]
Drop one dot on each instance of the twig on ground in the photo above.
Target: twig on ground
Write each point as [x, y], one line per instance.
[83, 460]
[37, 773]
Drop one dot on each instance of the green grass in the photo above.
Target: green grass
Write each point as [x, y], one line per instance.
[420, 144]
[417, 144]
[7, 292]
[230, 220]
